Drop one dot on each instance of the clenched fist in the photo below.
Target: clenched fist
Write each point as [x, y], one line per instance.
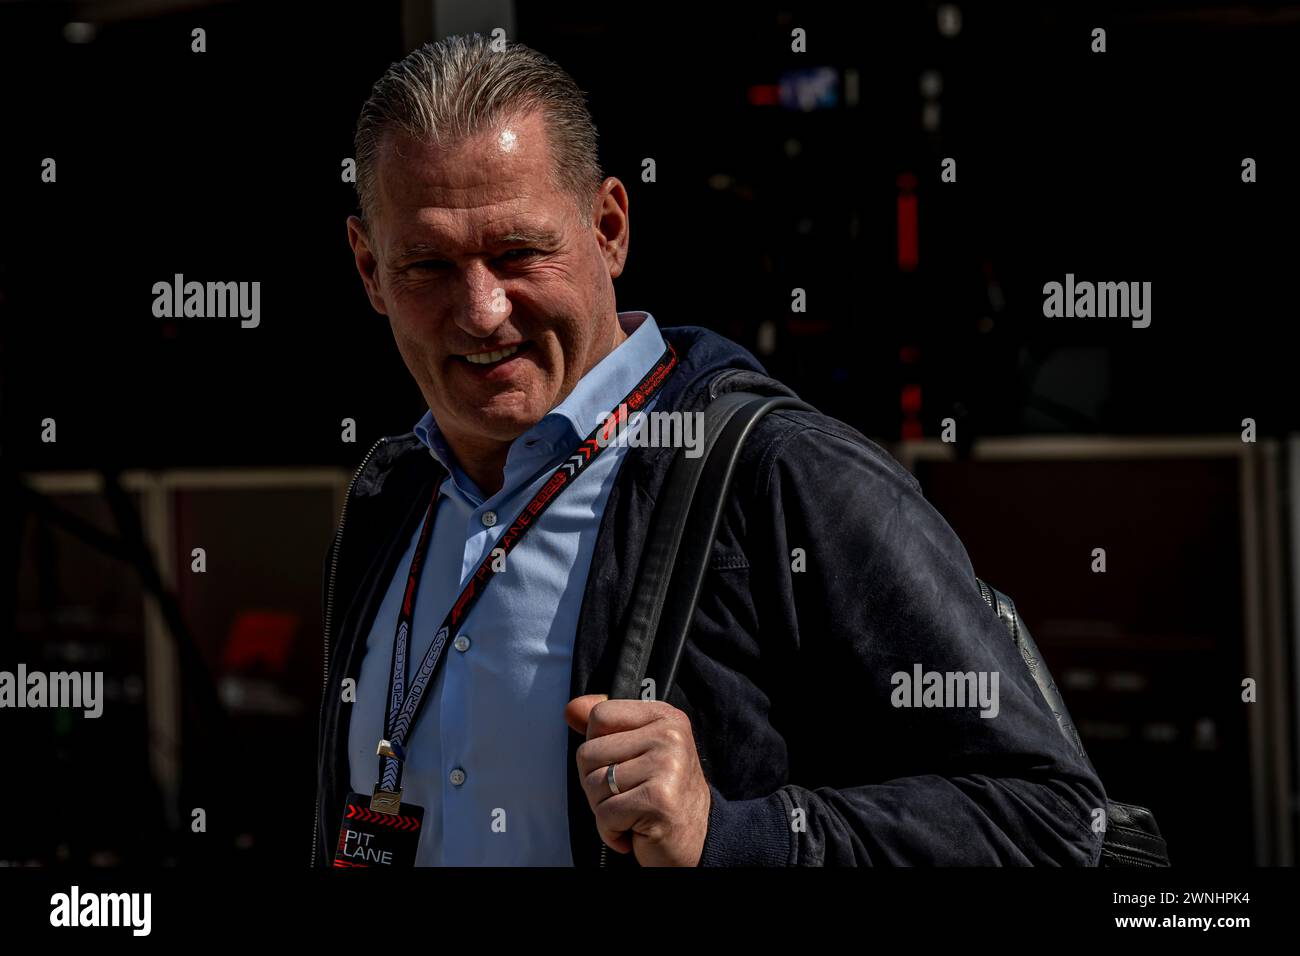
[661, 812]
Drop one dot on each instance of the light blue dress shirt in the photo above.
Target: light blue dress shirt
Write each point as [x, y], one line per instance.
[488, 755]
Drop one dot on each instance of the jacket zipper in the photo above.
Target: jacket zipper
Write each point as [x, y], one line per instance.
[329, 613]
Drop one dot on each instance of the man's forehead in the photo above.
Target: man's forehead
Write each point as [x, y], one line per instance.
[490, 184]
[502, 157]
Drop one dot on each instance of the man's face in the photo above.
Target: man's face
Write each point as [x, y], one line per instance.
[476, 252]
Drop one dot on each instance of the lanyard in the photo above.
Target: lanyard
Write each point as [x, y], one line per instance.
[403, 705]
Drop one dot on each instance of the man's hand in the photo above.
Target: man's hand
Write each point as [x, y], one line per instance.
[663, 797]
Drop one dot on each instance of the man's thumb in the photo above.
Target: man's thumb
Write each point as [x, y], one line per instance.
[578, 710]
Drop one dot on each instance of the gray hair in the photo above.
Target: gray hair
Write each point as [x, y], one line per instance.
[444, 92]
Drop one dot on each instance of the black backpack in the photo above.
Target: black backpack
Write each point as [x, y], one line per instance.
[676, 559]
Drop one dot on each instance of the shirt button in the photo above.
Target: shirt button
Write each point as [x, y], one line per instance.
[489, 518]
[461, 643]
[457, 777]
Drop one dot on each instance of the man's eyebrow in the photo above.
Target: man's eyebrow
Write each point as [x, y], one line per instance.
[418, 249]
[528, 237]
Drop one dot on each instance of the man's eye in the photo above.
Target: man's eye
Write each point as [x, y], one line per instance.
[521, 253]
[428, 264]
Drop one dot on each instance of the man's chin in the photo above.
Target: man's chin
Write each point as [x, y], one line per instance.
[503, 425]
[498, 416]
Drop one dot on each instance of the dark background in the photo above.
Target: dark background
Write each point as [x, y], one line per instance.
[1122, 166]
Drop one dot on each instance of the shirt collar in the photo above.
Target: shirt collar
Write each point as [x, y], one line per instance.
[596, 394]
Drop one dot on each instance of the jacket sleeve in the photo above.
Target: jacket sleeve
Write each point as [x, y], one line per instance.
[875, 779]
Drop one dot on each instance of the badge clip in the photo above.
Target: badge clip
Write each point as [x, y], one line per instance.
[391, 748]
[388, 801]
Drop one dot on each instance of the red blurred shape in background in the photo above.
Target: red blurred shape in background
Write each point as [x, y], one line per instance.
[908, 249]
[908, 252]
[910, 399]
[261, 637]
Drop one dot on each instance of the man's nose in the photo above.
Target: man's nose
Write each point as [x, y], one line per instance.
[484, 304]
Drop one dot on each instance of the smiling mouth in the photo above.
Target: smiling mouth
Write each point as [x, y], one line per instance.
[489, 360]
[481, 359]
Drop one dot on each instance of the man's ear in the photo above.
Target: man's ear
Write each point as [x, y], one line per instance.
[367, 263]
[609, 219]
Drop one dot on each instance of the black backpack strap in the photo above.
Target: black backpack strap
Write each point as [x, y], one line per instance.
[676, 555]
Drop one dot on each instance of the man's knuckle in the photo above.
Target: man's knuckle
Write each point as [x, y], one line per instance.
[677, 766]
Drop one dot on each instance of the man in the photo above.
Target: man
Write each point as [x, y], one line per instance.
[491, 242]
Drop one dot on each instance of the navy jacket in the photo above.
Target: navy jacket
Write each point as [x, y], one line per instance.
[787, 673]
